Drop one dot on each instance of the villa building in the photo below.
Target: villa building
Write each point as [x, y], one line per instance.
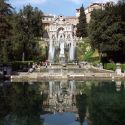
[89, 10]
[48, 19]
[60, 34]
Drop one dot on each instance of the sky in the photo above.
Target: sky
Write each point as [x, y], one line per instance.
[56, 7]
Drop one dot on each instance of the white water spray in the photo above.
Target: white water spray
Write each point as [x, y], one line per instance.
[51, 51]
[71, 52]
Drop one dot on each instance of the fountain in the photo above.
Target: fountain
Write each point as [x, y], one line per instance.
[62, 46]
[61, 95]
[71, 52]
[51, 51]
[61, 41]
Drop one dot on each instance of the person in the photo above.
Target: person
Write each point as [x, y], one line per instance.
[34, 66]
[32, 69]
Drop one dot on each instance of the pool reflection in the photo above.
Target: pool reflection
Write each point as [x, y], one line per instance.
[62, 102]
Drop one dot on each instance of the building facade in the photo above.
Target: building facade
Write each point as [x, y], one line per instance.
[61, 40]
[89, 10]
[60, 33]
[48, 19]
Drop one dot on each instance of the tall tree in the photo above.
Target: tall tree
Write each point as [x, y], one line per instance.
[107, 32]
[5, 30]
[29, 30]
[82, 25]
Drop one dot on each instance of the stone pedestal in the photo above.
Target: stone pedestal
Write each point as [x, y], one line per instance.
[118, 69]
[62, 59]
[100, 66]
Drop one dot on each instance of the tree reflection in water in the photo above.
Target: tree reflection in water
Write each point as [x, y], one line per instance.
[21, 104]
[102, 103]
[106, 104]
[81, 103]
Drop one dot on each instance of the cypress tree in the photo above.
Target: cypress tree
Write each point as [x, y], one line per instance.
[82, 25]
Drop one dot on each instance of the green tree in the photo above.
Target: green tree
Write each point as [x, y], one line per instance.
[107, 32]
[29, 30]
[82, 25]
[5, 30]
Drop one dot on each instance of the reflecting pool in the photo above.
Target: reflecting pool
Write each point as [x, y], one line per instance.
[62, 103]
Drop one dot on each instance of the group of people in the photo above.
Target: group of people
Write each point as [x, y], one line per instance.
[38, 65]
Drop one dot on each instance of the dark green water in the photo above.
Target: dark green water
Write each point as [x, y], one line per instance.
[62, 103]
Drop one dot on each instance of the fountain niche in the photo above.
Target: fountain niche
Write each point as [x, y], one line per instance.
[61, 41]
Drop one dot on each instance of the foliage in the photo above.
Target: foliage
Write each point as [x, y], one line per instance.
[106, 105]
[81, 48]
[20, 33]
[107, 31]
[22, 102]
[82, 25]
[123, 67]
[110, 66]
[21, 65]
[84, 87]
[5, 30]
[28, 32]
[81, 103]
[85, 52]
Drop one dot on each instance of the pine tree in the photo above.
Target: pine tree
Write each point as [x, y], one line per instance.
[82, 25]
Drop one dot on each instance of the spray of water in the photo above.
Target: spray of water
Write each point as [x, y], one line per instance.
[51, 51]
[71, 52]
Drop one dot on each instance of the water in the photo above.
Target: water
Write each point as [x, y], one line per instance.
[71, 52]
[62, 103]
[51, 51]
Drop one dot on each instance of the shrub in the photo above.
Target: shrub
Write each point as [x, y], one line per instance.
[123, 67]
[21, 65]
[110, 66]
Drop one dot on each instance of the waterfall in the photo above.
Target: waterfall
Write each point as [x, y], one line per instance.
[51, 88]
[71, 52]
[72, 87]
[61, 48]
[51, 51]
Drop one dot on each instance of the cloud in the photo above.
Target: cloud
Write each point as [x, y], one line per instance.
[76, 1]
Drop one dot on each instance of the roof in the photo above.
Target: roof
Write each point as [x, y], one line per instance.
[49, 15]
[71, 17]
[47, 21]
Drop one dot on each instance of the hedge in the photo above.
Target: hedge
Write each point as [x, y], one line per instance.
[21, 65]
[123, 67]
[112, 66]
